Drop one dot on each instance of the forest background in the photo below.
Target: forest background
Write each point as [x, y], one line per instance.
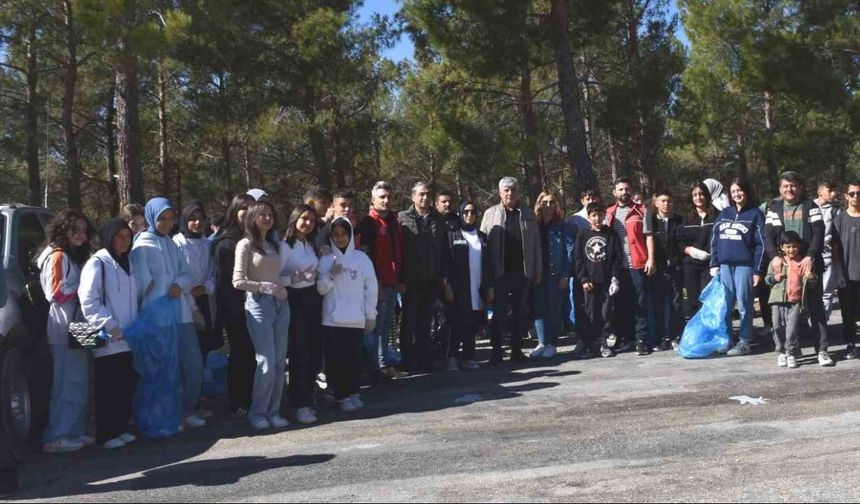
[104, 102]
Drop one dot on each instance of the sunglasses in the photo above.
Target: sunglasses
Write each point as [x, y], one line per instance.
[469, 212]
[853, 194]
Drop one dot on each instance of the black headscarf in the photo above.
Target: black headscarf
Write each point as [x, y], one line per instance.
[187, 211]
[107, 231]
[463, 225]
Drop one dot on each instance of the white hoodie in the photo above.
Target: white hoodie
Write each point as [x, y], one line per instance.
[350, 297]
[114, 308]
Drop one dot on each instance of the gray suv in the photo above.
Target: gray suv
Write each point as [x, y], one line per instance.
[25, 366]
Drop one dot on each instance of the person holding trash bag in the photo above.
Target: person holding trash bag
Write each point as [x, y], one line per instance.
[737, 256]
[695, 244]
[160, 270]
[108, 295]
[267, 312]
[347, 281]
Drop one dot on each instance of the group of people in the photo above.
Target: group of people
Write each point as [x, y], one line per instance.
[322, 292]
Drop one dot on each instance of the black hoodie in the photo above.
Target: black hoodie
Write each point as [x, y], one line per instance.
[597, 256]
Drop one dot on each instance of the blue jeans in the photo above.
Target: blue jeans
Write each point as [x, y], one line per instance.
[376, 343]
[548, 302]
[191, 365]
[268, 324]
[738, 281]
[68, 409]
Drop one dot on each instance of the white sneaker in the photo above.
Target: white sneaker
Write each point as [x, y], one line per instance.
[346, 405]
[471, 365]
[537, 352]
[114, 443]
[782, 360]
[549, 352]
[63, 446]
[453, 364]
[195, 421]
[260, 424]
[87, 441]
[128, 438]
[791, 361]
[742, 348]
[824, 359]
[305, 416]
[279, 422]
[356, 401]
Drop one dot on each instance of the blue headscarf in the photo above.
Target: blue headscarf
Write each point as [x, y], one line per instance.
[154, 208]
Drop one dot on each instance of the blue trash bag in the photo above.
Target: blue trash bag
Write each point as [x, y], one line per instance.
[572, 315]
[215, 375]
[707, 332]
[154, 342]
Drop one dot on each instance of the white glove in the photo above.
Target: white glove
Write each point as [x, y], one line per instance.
[699, 255]
[369, 326]
[715, 272]
[614, 287]
[336, 269]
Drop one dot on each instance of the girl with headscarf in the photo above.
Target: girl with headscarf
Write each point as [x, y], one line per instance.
[108, 295]
[197, 250]
[467, 280]
[60, 264]
[160, 270]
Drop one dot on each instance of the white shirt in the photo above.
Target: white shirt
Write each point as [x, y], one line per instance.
[300, 257]
[475, 272]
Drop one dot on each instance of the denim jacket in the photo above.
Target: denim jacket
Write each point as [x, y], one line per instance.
[560, 249]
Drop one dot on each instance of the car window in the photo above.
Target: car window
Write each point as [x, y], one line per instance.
[31, 237]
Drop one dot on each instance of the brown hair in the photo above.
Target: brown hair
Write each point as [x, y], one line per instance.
[559, 215]
[251, 231]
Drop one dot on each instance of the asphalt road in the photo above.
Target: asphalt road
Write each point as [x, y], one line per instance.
[629, 428]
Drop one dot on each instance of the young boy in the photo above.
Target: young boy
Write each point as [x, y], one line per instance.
[788, 285]
[667, 284]
[598, 265]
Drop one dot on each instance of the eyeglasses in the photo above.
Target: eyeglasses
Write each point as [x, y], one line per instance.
[853, 194]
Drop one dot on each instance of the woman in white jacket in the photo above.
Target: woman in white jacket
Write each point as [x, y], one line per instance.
[108, 297]
[197, 250]
[347, 280]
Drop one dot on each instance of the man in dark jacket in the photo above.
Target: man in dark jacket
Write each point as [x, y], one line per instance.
[668, 282]
[424, 238]
[792, 212]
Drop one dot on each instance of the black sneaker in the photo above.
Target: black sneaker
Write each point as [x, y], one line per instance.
[642, 349]
[606, 352]
[850, 352]
[666, 345]
[518, 356]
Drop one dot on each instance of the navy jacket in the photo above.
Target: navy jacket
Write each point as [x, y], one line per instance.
[738, 239]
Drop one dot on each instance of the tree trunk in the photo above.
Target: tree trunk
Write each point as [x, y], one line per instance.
[163, 162]
[531, 152]
[571, 105]
[768, 128]
[34, 184]
[640, 160]
[743, 167]
[70, 82]
[246, 162]
[110, 133]
[128, 137]
[317, 140]
[226, 158]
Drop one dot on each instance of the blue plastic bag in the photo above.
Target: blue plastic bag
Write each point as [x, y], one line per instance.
[154, 342]
[707, 332]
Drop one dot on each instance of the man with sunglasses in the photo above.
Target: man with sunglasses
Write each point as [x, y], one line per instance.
[846, 252]
[792, 212]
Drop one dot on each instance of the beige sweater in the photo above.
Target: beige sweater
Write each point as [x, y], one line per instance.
[251, 268]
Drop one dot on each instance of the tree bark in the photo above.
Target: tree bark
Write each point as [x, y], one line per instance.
[571, 105]
[34, 183]
[128, 128]
[768, 128]
[317, 140]
[246, 162]
[163, 161]
[70, 80]
[110, 133]
[531, 153]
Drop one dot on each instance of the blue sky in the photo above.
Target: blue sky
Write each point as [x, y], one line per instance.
[404, 49]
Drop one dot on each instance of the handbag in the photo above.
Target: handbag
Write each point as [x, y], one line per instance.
[82, 335]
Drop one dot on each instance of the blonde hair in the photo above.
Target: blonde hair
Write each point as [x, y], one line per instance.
[539, 208]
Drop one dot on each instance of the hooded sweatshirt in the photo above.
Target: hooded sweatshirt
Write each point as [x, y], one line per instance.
[197, 250]
[108, 292]
[718, 196]
[350, 297]
[738, 238]
[157, 262]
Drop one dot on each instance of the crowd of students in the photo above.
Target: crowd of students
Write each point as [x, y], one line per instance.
[322, 292]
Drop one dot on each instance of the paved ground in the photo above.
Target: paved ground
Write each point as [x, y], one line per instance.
[630, 428]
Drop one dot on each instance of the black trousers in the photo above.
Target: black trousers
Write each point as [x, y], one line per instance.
[442, 332]
[695, 281]
[849, 302]
[512, 292]
[464, 331]
[116, 382]
[667, 288]
[598, 311]
[763, 291]
[419, 303]
[241, 365]
[343, 353]
[305, 348]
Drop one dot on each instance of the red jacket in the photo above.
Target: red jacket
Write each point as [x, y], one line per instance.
[387, 254]
[635, 225]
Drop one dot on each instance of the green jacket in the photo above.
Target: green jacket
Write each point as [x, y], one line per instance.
[778, 290]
